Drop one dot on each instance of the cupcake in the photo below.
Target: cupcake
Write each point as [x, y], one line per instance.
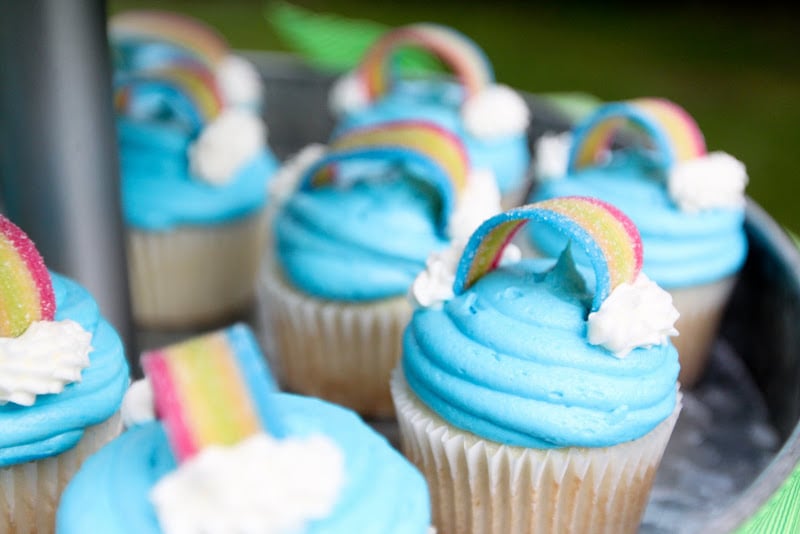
[687, 204]
[145, 39]
[230, 454]
[63, 374]
[492, 119]
[538, 396]
[348, 243]
[194, 190]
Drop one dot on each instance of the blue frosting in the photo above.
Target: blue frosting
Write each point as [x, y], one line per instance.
[680, 249]
[55, 423]
[364, 242]
[508, 360]
[382, 492]
[440, 101]
[158, 191]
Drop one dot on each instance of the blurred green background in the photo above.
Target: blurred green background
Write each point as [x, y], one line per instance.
[736, 70]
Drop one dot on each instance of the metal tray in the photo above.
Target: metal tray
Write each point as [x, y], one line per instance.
[737, 439]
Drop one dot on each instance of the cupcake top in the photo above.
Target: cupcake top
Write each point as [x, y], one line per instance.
[62, 365]
[272, 463]
[362, 216]
[190, 152]
[544, 354]
[491, 119]
[687, 204]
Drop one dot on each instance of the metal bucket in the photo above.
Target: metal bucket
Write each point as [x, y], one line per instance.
[738, 439]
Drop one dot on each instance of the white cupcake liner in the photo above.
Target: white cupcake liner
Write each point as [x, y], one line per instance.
[483, 487]
[194, 276]
[29, 492]
[341, 352]
[701, 308]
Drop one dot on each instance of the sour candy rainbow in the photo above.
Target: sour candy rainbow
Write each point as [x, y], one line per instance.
[673, 132]
[26, 291]
[425, 144]
[211, 390]
[608, 236]
[467, 61]
[190, 35]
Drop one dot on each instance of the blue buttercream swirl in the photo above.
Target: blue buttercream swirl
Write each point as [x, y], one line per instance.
[382, 493]
[56, 422]
[680, 249]
[508, 360]
[440, 102]
[158, 190]
[363, 242]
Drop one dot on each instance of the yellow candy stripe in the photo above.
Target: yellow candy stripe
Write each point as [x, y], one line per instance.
[18, 293]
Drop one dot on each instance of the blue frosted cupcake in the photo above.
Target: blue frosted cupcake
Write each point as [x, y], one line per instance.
[348, 243]
[687, 204]
[491, 119]
[538, 396]
[307, 467]
[194, 192]
[62, 377]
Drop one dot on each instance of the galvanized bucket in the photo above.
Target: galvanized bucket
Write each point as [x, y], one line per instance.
[731, 465]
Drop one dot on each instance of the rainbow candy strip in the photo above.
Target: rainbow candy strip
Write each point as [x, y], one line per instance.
[195, 84]
[672, 130]
[26, 291]
[190, 35]
[418, 142]
[213, 389]
[467, 61]
[607, 235]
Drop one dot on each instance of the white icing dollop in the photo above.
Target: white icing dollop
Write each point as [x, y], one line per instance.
[716, 180]
[551, 155]
[258, 486]
[138, 406]
[286, 179]
[497, 111]
[479, 201]
[434, 286]
[634, 315]
[228, 142]
[347, 95]
[240, 83]
[44, 359]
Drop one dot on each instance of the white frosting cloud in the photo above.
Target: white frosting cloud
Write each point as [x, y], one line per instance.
[259, 486]
[551, 155]
[45, 358]
[634, 315]
[138, 405]
[240, 83]
[232, 139]
[287, 178]
[716, 180]
[479, 201]
[348, 94]
[497, 111]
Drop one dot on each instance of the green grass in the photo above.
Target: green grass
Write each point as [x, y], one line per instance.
[736, 71]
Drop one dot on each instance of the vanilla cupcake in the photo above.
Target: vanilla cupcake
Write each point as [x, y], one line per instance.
[534, 395]
[348, 243]
[491, 119]
[62, 377]
[194, 192]
[687, 204]
[248, 459]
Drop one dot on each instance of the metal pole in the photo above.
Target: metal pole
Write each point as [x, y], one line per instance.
[58, 161]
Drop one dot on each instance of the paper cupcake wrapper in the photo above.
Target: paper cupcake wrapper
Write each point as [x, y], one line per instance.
[29, 492]
[483, 487]
[701, 308]
[194, 276]
[341, 352]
